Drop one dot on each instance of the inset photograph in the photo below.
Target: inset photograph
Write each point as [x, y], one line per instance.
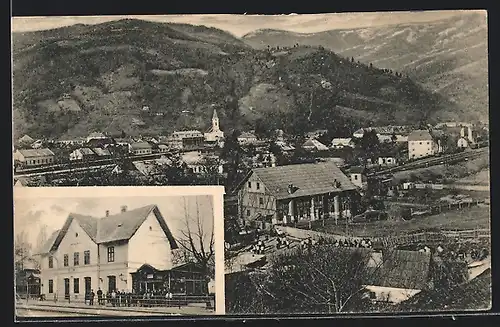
[114, 252]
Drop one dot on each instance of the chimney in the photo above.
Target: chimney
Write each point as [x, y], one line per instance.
[290, 188]
[123, 208]
[107, 213]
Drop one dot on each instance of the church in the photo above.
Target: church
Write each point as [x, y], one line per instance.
[214, 134]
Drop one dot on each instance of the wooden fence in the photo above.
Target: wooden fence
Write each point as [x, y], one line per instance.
[431, 237]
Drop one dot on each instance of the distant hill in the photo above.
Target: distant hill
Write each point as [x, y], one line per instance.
[448, 56]
[73, 80]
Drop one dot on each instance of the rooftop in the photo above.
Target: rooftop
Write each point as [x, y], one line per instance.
[307, 179]
[28, 153]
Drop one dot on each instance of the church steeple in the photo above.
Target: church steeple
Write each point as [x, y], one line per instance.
[215, 121]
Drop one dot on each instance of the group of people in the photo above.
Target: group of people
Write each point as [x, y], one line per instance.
[130, 298]
[354, 243]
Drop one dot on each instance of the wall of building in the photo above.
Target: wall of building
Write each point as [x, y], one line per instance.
[253, 199]
[31, 161]
[75, 240]
[419, 149]
[148, 237]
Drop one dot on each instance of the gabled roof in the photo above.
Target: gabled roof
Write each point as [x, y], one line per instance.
[97, 134]
[141, 145]
[30, 153]
[101, 151]
[27, 139]
[247, 135]
[307, 179]
[113, 228]
[86, 151]
[312, 143]
[405, 269]
[420, 135]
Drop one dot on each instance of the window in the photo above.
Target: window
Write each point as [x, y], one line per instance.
[258, 186]
[86, 257]
[249, 184]
[51, 262]
[66, 260]
[428, 142]
[51, 286]
[261, 200]
[76, 285]
[248, 212]
[355, 177]
[150, 228]
[420, 143]
[111, 254]
[76, 234]
[76, 259]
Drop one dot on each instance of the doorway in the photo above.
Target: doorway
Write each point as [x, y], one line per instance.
[66, 288]
[88, 285]
[111, 283]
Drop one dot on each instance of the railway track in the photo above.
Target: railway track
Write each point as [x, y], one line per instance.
[447, 159]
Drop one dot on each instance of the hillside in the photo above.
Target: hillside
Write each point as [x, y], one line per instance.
[73, 80]
[448, 56]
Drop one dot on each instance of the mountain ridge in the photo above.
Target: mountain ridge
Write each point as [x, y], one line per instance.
[72, 80]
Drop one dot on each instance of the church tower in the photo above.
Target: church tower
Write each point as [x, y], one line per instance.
[215, 122]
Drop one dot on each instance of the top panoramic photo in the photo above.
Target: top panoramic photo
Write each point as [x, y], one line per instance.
[366, 131]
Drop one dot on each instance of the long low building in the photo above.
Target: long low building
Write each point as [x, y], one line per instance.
[34, 157]
[294, 193]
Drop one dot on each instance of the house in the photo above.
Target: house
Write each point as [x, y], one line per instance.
[193, 142]
[82, 154]
[75, 141]
[26, 139]
[295, 193]
[316, 134]
[247, 138]
[140, 148]
[340, 143]
[314, 145]
[401, 275]
[387, 161]
[199, 164]
[96, 136]
[359, 133]
[421, 143]
[100, 143]
[91, 253]
[28, 282]
[33, 157]
[358, 177]
[162, 148]
[179, 135]
[462, 143]
[285, 147]
[102, 153]
[214, 134]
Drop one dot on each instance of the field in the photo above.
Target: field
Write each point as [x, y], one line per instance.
[482, 177]
[469, 218]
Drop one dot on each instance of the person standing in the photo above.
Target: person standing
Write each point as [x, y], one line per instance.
[99, 296]
[113, 298]
[91, 299]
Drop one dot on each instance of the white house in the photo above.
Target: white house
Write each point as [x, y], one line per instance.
[247, 138]
[340, 143]
[139, 148]
[196, 162]
[91, 253]
[33, 157]
[214, 134]
[422, 144]
[82, 154]
[358, 177]
[314, 145]
[387, 161]
[462, 142]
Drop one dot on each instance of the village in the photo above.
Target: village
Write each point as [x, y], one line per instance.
[403, 195]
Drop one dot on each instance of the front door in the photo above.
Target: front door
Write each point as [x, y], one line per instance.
[66, 288]
[111, 283]
[88, 285]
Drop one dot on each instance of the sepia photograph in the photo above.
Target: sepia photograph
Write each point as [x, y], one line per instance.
[114, 252]
[352, 148]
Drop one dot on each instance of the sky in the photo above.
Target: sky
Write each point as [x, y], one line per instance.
[240, 25]
[30, 214]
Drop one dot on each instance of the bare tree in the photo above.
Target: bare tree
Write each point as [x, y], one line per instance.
[197, 243]
[22, 252]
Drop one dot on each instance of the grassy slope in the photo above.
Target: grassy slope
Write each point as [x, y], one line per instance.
[448, 56]
[469, 218]
[109, 71]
